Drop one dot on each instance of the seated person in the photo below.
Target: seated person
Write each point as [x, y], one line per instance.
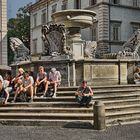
[8, 82]
[41, 80]
[1, 81]
[17, 80]
[54, 79]
[3, 93]
[84, 94]
[25, 86]
[137, 76]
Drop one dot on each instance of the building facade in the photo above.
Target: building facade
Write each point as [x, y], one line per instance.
[116, 21]
[3, 32]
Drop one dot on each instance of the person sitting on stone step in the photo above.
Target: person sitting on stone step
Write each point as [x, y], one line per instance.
[26, 86]
[17, 80]
[84, 94]
[8, 82]
[137, 76]
[3, 94]
[41, 81]
[54, 79]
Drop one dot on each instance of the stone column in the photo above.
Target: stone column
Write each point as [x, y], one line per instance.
[68, 75]
[122, 72]
[74, 76]
[3, 32]
[99, 115]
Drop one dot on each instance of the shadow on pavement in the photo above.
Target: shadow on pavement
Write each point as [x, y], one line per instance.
[79, 125]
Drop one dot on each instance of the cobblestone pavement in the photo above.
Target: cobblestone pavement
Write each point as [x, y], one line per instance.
[127, 132]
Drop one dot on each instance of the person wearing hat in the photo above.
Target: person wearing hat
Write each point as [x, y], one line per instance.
[54, 79]
[84, 94]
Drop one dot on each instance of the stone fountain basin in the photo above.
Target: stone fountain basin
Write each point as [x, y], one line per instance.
[75, 18]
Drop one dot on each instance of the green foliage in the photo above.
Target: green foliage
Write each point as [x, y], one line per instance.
[19, 27]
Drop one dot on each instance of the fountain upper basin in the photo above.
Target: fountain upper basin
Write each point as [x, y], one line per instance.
[75, 18]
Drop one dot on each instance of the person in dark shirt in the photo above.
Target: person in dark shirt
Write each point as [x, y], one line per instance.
[41, 81]
[84, 94]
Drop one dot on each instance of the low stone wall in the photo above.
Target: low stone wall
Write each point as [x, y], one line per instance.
[95, 72]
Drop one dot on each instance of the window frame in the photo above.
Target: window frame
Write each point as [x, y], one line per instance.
[35, 20]
[115, 31]
[115, 2]
[77, 4]
[43, 16]
[34, 47]
[54, 8]
[92, 2]
[64, 5]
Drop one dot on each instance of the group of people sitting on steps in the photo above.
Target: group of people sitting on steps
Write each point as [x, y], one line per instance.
[23, 83]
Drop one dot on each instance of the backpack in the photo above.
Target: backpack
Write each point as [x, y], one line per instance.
[23, 97]
[50, 92]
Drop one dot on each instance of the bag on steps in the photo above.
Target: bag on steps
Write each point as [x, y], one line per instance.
[23, 97]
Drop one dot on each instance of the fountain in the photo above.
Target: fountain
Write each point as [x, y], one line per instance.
[74, 21]
[73, 57]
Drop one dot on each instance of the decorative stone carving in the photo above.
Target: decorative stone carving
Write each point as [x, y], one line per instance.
[90, 49]
[54, 37]
[131, 47]
[21, 52]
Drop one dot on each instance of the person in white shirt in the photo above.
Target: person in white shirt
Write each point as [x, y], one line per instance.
[54, 79]
[26, 86]
[3, 93]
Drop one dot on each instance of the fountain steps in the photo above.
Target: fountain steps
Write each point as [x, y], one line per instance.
[121, 103]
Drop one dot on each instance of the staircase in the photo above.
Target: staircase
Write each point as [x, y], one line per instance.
[122, 104]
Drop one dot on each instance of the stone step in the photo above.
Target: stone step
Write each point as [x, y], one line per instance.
[122, 102]
[118, 114]
[44, 110]
[129, 107]
[52, 116]
[109, 109]
[103, 92]
[95, 97]
[109, 87]
[43, 122]
[66, 104]
[43, 104]
[123, 120]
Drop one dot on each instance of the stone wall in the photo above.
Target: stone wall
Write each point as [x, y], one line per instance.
[95, 72]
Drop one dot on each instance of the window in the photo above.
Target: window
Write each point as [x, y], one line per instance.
[77, 4]
[92, 2]
[64, 4]
[135, 26]
[43, 16]
[115, 1]
[116, 31]
[94, 32]
[34, 49]
[54, 8]
[135, 3]
[35, 20]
